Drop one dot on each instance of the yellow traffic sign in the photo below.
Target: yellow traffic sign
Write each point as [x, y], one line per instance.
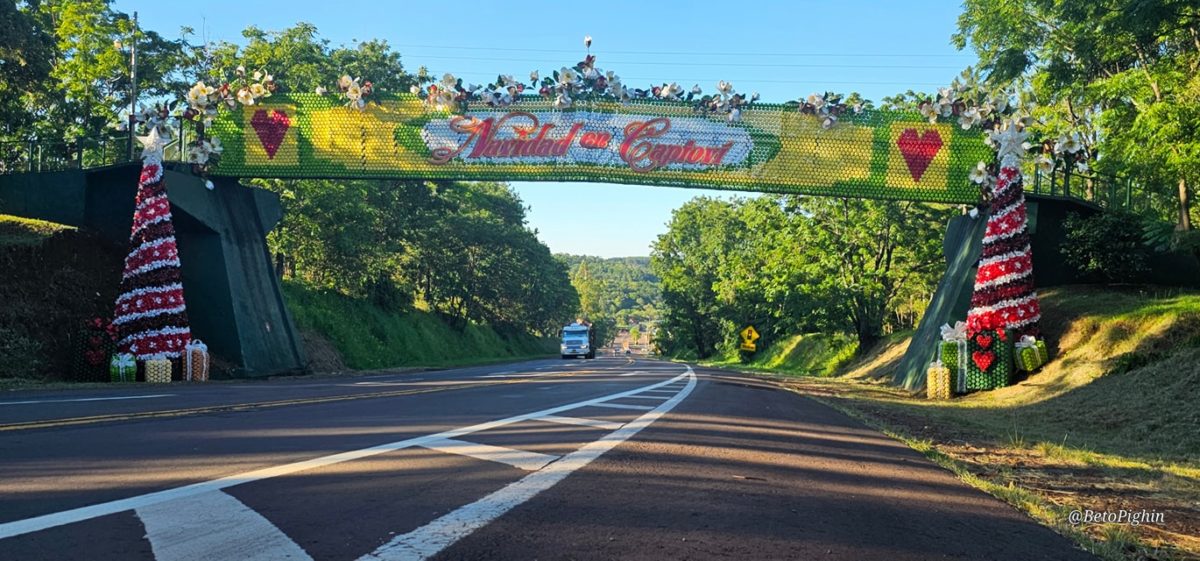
[749, 335]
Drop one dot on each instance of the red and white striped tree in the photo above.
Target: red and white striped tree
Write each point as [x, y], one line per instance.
[1004, 295]
[150, 315]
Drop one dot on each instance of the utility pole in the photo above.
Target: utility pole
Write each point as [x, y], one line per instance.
[133, 88]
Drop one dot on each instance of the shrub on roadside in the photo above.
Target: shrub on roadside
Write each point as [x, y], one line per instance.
[1108, 246]
[20, 354]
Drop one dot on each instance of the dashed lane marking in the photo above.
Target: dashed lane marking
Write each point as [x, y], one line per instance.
[658, 397]
[580, 421]
[623, 406]
[521, 459]
[634, 373]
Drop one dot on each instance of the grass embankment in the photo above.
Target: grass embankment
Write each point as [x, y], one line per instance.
[1111, 423]
[53, 278]
[339, 330]
[809, 354]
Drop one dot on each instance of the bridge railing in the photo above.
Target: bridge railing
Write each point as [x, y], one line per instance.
[1104, 191]
[37, 156]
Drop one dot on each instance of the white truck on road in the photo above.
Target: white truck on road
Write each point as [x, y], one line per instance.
[578, 340]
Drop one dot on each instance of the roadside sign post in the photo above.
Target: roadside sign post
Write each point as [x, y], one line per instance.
[749, 336]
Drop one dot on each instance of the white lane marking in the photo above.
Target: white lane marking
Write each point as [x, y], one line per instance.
[428, 540]
[634, 373]
[45, 521]
[86, 399]
[658, 397]
[521, 459]
[214, 525]
[510, 374]
[607, 425]
[623, 406]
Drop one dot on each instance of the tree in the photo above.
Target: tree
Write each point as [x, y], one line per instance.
[1133, 63]
[687, 258]
[614, 293]
[26, 54]
[791, 265]
[862, 252]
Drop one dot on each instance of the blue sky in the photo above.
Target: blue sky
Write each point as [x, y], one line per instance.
[783, 50]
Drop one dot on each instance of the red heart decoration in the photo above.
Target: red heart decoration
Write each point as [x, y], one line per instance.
[270, 129]
[984, 341]
[918, 150]
[983, 359]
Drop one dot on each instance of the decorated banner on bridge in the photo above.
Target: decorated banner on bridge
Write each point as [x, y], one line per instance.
[771, 148]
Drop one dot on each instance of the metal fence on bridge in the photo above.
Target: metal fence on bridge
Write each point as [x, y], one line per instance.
[25, 156]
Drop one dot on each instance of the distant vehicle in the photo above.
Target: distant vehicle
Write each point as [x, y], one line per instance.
[627, 351]
[578, 340]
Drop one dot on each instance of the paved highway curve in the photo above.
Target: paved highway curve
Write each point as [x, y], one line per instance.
[614, 458]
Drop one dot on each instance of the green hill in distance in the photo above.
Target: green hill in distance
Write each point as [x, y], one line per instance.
[621, 295]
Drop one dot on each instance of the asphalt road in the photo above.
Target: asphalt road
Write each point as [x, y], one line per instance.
[614, 458]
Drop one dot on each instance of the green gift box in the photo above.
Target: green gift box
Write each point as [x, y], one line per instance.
[989, 359]
[1029, 358]
[949, 351]
[950, 355]
[122, 368]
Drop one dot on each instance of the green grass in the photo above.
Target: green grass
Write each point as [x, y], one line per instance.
[1114, 414]
[17, 231]
[1117, 544]
[367, 337]
[1124, 380]
[810, 354]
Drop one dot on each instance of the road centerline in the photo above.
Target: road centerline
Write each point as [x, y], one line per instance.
[85, 399]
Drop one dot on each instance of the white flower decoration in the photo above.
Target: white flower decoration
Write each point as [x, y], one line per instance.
[245, 97]
[1045, 164]
[979, 174]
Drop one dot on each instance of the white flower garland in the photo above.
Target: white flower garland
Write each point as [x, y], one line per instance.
[148, 290]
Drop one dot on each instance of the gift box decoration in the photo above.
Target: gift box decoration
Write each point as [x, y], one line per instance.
[990, 361]
[94, 348]
[122, 368]
[158, 371]
[953, 354]
[949, 354]
[1028, 359]
[1028, 355]
[1043, 350]
[937, 381]
[195, 361]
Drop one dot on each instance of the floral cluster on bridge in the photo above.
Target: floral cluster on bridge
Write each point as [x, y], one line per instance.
[829, 106]
[583, 82]
[354, 92]
[972, 105]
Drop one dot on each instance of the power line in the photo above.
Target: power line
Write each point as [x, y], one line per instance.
[690, 53]
[411, 56]
[629, 80]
